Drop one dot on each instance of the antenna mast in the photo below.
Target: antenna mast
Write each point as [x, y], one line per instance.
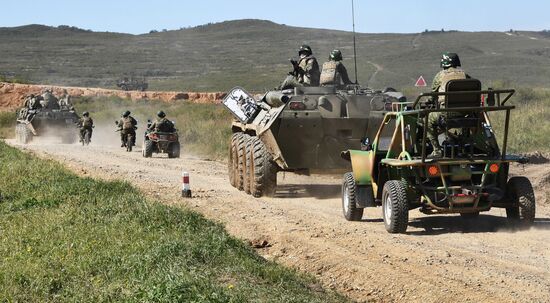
[354, 47]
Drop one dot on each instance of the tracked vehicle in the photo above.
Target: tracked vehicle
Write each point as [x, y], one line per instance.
[297, 130]
[46, 122]
[392, 168]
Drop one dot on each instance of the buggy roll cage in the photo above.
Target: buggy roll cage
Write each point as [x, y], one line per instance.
[493, 98]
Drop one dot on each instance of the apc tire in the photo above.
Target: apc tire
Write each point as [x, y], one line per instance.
[248, 173]
[349, 199]
[520, 192]
[148, 148]
[395, 207]
[263, 171]
[233, 163]
[241, 158]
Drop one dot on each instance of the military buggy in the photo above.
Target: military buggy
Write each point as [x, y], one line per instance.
[394, 172]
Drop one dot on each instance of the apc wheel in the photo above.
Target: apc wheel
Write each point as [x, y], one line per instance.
[233, 163]
[520, 192]
[349, 199]
[148, 148]
[241, 159]
[395, 208]
[248, 172]
[263, 171]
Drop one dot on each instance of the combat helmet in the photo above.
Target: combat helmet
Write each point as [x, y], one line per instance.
[306, 49]
[85, 114]
[335, 55]
[449, 60]
[161, 114]
[126, 113]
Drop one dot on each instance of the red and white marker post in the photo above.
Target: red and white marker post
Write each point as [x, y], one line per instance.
[186, 188]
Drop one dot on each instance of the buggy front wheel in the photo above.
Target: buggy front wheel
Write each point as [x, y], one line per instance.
[395, 208]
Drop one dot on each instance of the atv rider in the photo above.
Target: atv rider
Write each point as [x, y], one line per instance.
[127, 125]
[85, 123]
[162, 124]
[334, 72]
[306, 70]
[450, 62]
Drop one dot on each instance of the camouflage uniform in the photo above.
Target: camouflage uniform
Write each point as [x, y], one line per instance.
[306, 72]
[85, 123]
[334, 73]
[127, 126]
[439, 83]
[162, 125]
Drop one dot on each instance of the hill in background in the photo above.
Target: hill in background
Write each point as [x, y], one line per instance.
[254, 53]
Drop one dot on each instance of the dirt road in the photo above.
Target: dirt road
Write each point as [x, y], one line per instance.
[440, 259]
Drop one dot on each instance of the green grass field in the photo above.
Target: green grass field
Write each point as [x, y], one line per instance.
[64, 238]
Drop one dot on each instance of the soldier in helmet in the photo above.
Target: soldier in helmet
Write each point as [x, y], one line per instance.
[306, 70]
[85, 123]
[162, 124]
[334, 72]
[451, 70]
[127, 125]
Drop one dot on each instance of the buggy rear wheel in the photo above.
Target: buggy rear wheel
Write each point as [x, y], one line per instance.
[520, 192]
[349, 199]
[395, 208]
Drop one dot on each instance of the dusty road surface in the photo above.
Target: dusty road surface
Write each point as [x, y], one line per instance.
[440, 259]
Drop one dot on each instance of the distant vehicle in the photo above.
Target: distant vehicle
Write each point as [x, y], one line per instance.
[161, 142]
[394, 172]
[128, 84]
[297, 130]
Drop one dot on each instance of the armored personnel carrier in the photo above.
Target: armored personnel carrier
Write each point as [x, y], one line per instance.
[297, 130]
[132, 84]
[46, 122]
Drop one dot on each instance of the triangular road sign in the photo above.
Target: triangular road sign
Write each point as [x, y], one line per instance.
[420, 82]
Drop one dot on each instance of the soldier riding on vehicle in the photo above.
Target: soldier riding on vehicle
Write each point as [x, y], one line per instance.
[162, 124]
[86, 124]
[127, 126]
[450, 62]
[306, 70]
[334, 72]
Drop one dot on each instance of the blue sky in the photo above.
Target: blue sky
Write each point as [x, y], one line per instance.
[400, 16]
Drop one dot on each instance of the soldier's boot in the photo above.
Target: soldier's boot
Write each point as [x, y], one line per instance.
[436, 153]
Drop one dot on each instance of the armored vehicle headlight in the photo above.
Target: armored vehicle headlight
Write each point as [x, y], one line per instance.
[297, 106]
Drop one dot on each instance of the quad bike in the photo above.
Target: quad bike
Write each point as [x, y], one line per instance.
[470, 176]
[161, 142]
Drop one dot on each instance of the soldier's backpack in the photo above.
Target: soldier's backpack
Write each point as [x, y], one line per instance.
[127, 123]
[165, 125]
[329, 76]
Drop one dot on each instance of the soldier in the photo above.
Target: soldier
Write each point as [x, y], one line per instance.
[65, 100]
[127, 126]
[85, 123]
[162, 124]
[334, 72]
[306, 70]
[450, 62]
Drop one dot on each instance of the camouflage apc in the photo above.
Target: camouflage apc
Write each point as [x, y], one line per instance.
[297, 130]
[47, 122]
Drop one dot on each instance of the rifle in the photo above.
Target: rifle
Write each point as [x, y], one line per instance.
[296, 71]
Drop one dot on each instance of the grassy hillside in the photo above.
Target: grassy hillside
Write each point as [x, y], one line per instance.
[72, 239]
[254, 53]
